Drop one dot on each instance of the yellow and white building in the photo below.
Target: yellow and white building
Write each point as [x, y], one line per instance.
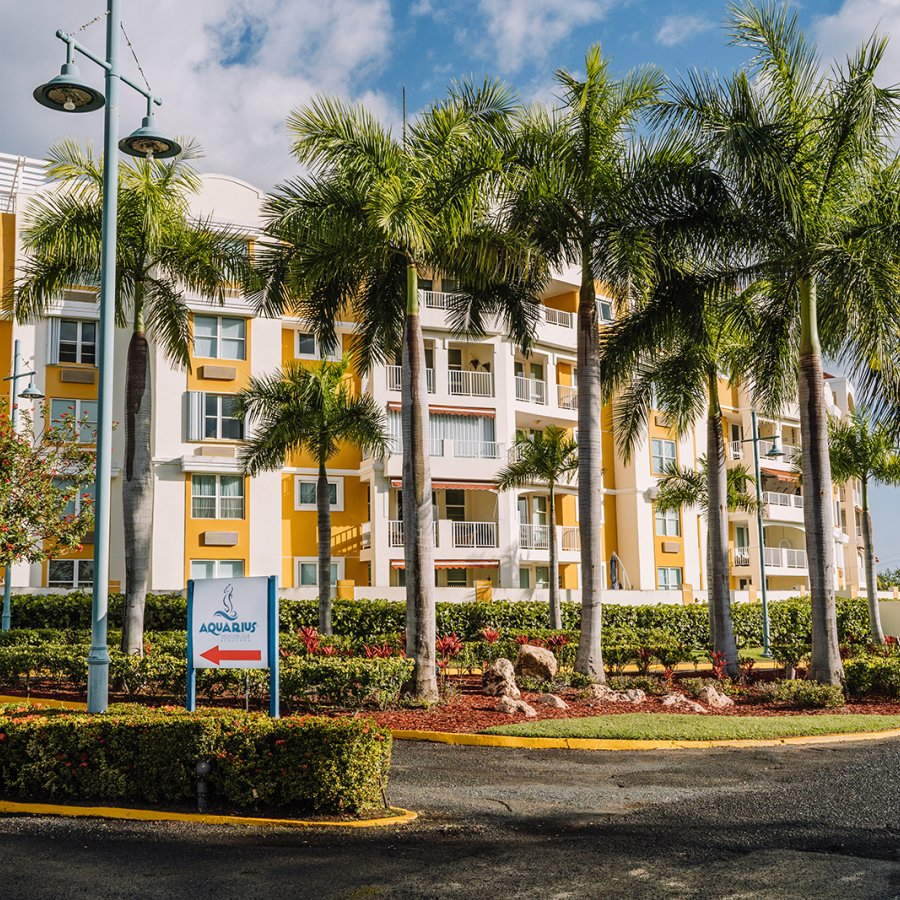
[210, 520]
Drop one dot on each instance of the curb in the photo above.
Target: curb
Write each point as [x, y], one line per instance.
[150, 815]
[39, 701]
[619, 744]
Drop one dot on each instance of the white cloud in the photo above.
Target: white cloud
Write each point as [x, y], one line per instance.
[840, 34]
[525, 31]
[677, 29]
[229, 71]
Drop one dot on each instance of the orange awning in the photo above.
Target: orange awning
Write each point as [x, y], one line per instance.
[454, 564]
[451, 485]
[788, 477]
[393, 406]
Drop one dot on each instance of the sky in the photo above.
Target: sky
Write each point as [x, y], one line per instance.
[230, 71]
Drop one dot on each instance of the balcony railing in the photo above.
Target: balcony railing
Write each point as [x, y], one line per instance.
[741, 556]
[530, 390]
[366, 535]
[435, 299]
[395, 533]
[773, 498]
[395, 375]
[567, 396]
[558, 317]
[475, 535]
[736, 450]
[571, 538]
[446, 448]
[534, 537]
[785, 558]
[463, 383]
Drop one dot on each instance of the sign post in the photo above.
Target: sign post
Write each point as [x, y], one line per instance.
[233, 624]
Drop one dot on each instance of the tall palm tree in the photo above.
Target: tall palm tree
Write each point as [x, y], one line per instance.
[866, 451]
[547, 458]
[163, 253]
[575, 198]
[808, 156]
[314, 411]
[348, 243]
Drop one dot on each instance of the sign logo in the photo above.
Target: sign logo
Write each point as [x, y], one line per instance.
[228, 604]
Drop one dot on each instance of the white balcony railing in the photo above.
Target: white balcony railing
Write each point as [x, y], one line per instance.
[448, 449]
[475, 535]
[395, 533]
[530, 390]
[534, 537]
[785, 558]
[366, 535]
[463, 383]
[736, 450]
[570, 538]
[434, 299]
[742, 556]
[558, 317]
[773, 498]
[394, 378]
[567, 396]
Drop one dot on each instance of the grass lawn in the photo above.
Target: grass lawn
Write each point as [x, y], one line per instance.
[673, 727]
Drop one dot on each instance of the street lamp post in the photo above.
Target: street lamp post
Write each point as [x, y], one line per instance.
[30, 393]
[68, 93]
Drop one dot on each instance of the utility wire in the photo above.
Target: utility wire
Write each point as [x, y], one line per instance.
[136, 60]
[102, 15]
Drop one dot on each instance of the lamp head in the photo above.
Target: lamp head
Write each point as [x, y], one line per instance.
[148, 143]
[775, 451]
[31, 392]
[68, 92]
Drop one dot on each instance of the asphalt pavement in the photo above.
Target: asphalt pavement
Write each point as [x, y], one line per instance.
[815, 822]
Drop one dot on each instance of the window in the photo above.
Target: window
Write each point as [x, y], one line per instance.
[305, 496]
[219, 419]
[663, 455]
[667, 523]
[77, 342]
[668, 578]
[308, 572]
[308, 347]
[426, 284]
[542, 576]
[216, 568]
[218, 337]
[524, 578]
[73, 507]
[449, 285]
[605, 311]
[454, 359]
[217, 496]
[457, 578]
[455, 501]
[83, 412]
[70, 573]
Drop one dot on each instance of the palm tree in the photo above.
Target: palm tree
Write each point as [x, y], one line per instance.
[547, 458]
[808, 156]
[864, 450]
[314, 411]
[162, 253]
[348, 243]
[575, 198]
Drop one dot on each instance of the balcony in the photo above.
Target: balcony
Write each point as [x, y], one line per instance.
[393, 375]
[558, 317]
[435, 299]
[736, 449]
[783, 507]
[530, 390]
[785, 558]
[537, 537]
[462, 383]
[447, 449]
[462, 535]
[567, 396]
[740, 556]
[773, 498]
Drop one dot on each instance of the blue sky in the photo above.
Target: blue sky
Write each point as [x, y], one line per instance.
[231, 70]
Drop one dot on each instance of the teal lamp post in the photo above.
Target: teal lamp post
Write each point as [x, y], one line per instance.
[68, 93]
[30, 393]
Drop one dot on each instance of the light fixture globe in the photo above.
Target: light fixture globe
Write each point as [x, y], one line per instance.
[147, 142]
[68, 93]
[31, 392]
[775, 451]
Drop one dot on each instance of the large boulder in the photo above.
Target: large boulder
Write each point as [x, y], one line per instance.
[499, 680]
[550, 700]
[713, 698]
[680, 701]
[600, 693]
[535, 662]
[516, 707]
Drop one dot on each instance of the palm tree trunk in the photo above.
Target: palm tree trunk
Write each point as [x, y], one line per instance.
[418, 522]
[717, 488]
[818, 504]
[589, 660]
[137, 486]
[555, 611]
[323, 511]
[871, 577]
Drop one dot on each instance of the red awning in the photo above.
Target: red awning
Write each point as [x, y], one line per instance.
[788, 477]
[451, 485]
[393, 406]
[454, 564]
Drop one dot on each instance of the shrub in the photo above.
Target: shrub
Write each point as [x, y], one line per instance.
[693, 686]
[803, 694]
[137, 755]
[873, 675]
[345, 682]
[649, 684]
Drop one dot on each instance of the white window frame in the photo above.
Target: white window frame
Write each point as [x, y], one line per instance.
[218, 435]
[79, 341]
[76, 581]
[668, 585]
[335, 356]
[338, 563]
[78, 415]
[217, 496]
[539, 583]
[218, 337]
[660, 470]
[337, 481]
[666, 522]
[60, 482]
[602, 305]
[465, 578]
[215, 564]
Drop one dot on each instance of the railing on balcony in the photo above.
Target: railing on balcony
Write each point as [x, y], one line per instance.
[774, 498]
[395, 533]
[366, 535]
[741, 556]
[790, 453]
[530, 390]
[736, 449]
[570, 538]
[567, 396]
[476, 449]
[394, 378]
[435, 299]
[534, 537]
[558, 317]
[785, 558]
[395, 446]
[475, 535]
[470, 384]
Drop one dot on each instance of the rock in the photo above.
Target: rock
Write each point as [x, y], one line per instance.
[551, 700]
[499, 680]
[635, 695]
[512, 707]
[711, 697]
[681, 701]
[535, 662]
[600, 693]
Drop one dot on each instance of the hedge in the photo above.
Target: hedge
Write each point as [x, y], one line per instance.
[873, 675]
[138, 755]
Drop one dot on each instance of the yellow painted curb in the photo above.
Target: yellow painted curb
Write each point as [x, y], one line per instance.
[527, 743]
[40, 701]
[152, 815]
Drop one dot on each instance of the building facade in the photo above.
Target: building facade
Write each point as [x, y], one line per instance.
[210, 520]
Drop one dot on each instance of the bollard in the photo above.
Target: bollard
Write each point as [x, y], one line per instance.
[204, 767]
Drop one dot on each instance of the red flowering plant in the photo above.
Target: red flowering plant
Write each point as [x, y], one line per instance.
[46, 482]
[448, 646]
[491, 636]
[378, 651]
[311, 641]
[717, 658]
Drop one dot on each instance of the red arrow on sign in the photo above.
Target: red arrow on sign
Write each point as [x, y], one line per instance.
[217, 656]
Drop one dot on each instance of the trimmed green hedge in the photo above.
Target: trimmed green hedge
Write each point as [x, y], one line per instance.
[873, 675]
[137, 755]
